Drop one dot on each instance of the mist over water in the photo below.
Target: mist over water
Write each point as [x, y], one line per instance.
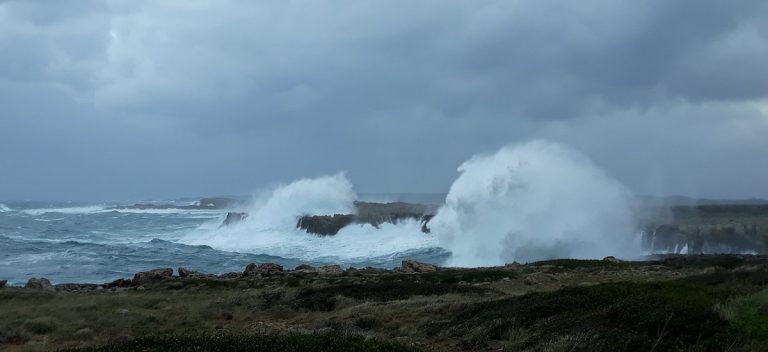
[271, 227]
[534, 201]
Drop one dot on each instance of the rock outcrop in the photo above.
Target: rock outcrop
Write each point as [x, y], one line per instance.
[262, 270]
[702, 229]
[367, 213]
[234, 218]
[411, 266]
[330, 270]
[39, 284]
[2, 283]
[145, 277]
[184, 272]
[325, 225]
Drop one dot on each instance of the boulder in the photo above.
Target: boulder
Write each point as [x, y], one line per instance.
[411, 266]
[119, 283]
[305, 267]
[262, 270]
[2, 283]
[152, 275]
[234, 218]
[184, 272]
[611, 259]
[330, 270]
[325, 225]
[231, 275]
[39, 284]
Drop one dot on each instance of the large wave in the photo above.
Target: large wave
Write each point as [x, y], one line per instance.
[271, 226]
[532, 201]
[4, 208]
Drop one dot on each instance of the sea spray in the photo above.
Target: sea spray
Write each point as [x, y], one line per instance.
[271, 227]
[533, 201]
[4, 208]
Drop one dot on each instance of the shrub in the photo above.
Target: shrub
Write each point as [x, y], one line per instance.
[254, 343]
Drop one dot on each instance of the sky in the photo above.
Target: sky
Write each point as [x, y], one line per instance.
[159, 99]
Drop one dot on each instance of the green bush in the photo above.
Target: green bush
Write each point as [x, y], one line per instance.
[636, 316]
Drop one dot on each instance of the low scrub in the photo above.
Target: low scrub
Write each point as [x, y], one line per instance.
[253, 343]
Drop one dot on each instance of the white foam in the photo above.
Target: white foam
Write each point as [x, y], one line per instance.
[532, 201]
[4, 208]
[97, 209]
[204, 214]
[271, 227]
[68, 210]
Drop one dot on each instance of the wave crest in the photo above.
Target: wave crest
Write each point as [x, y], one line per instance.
[533, 201]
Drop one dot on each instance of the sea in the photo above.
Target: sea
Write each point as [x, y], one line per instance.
[81, 242]
[525, 202]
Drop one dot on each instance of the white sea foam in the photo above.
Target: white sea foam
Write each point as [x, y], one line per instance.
[271, 226]
[97, 209]
[67, 210]
[533, 201]
[4, 208]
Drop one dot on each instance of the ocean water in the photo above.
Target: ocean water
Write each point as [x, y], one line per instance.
[89, 243]
[525, 202]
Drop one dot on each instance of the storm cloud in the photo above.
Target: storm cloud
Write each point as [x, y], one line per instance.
[148, 99]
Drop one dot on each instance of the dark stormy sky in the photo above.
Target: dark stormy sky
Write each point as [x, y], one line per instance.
[157, 99]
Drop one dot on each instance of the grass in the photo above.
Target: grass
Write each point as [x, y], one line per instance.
[253, 343]
[451, 309]
[324, 298]
[676, 315]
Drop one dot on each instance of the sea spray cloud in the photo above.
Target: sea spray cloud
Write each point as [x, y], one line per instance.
[271, 228]
[534, 201]
[322, 195]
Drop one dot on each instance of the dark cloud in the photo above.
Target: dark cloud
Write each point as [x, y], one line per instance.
[151, 99]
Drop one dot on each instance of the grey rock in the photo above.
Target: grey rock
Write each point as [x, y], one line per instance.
[411, 266]
[262, 270]
[119, 283]
[234, 218]
[184, 272]
[40, 284]
[144, 277]
[330, 270]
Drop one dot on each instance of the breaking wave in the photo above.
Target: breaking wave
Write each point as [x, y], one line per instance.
[271, 226]
[4, 208]
[534, 201]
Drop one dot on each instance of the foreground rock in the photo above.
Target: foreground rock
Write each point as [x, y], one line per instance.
[145, 277]
[262, 270]
[184, 272]
[39, 284]
[411, 266]
[2, 283]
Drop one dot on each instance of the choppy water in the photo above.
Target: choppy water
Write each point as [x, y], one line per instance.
[76, 242]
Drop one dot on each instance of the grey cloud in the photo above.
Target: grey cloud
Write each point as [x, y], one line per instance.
[172, 98]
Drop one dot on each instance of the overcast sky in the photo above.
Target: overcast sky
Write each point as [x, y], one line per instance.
[160, 99]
